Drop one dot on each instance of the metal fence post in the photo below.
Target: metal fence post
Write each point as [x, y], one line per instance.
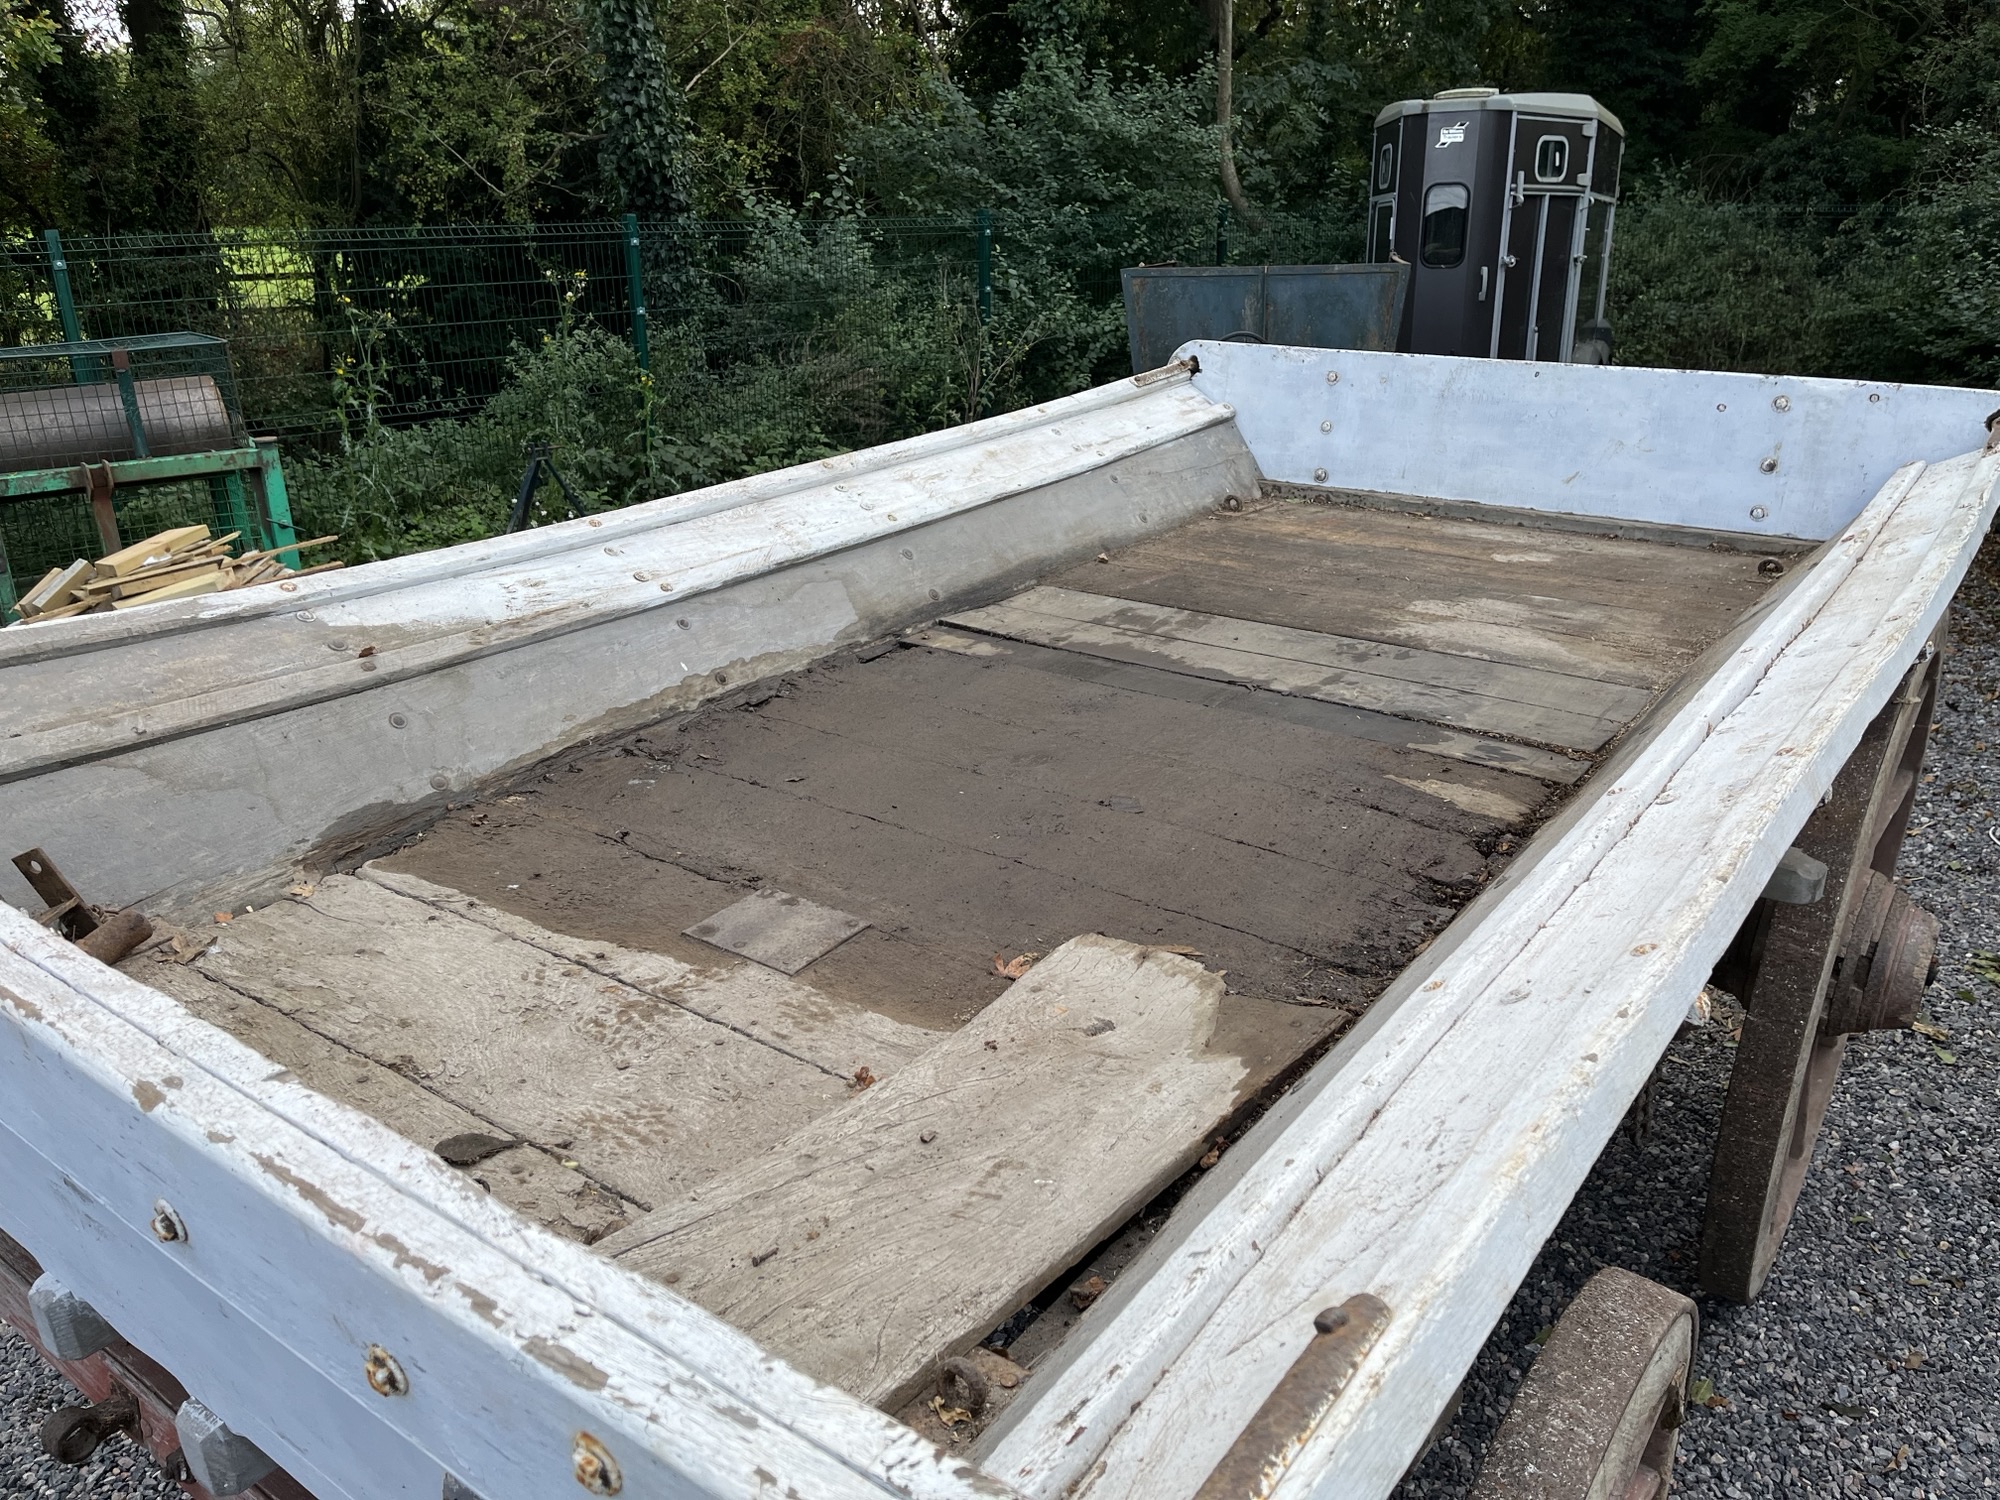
[636, 284]
[985, 232]
[59, 276]
[1222, 233]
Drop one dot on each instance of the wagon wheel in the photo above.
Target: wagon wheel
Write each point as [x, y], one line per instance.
[1856, 959]
[1599, 1415]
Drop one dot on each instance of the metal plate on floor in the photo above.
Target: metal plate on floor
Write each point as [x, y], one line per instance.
[777, 929]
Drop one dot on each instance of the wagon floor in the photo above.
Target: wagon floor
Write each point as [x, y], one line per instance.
[1267, 757]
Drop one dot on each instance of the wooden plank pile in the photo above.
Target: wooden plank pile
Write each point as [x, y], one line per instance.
[176, 564]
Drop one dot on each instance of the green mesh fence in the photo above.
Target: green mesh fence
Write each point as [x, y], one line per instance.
[427, 318]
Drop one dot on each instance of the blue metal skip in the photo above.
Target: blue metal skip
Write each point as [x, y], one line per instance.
[1322, 307]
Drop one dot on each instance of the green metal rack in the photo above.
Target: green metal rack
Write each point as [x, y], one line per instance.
[137, 428]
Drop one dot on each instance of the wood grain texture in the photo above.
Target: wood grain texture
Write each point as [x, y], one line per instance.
[901, 1228]
[651, 1097]
[1309, 713]
[1519, 702]
[784, 1013]
[1616, 610]
[529, 1179]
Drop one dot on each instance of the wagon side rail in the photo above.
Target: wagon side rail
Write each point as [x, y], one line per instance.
[1432, 1153]
[273, 1248]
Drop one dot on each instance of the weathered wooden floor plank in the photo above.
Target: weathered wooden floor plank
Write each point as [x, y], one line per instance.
[650, 1097]
[761, 1003]
[902, 1227]
[528, 1178]
[1623, 611]
[1307, 713]
[1489, 698]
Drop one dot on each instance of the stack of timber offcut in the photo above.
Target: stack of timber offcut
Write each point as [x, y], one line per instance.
[175, 564]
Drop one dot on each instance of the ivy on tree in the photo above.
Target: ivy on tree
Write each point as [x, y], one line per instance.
[640, 116]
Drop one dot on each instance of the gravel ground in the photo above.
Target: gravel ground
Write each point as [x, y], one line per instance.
[1870, 1366]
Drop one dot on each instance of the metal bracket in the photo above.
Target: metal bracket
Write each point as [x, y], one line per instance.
[1292, 1413]
[1799, 880]
[98, 483]
[222, 1462]
[68, 1326]
[67, 912]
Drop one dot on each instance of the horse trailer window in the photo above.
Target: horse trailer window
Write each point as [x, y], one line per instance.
[1385, 167]
[1552, 158]
[1445, 208]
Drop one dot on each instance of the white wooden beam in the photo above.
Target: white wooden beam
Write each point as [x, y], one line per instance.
[1768, 455]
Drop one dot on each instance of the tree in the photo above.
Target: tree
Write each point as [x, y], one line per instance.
[159, 124]
[640, 115]
[32, 189]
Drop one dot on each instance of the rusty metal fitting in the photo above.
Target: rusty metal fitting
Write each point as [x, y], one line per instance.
[168, 1226]
[595, 1469]
[960, 1384]
[73, 1434]
[1295, 1409]
[385, 1373]
[1888, 961]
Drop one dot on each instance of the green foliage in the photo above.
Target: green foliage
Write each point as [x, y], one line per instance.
[832, 346]
[1086, 172]
[30, 189]
[639, 120]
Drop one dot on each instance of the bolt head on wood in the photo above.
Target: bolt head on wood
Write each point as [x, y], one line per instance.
[596, 1470]
[168, 1226]
[385, 1373]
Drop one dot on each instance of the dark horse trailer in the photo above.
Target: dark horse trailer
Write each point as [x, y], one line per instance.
[1502, 204]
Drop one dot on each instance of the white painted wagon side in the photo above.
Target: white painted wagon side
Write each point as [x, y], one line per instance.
[1451, 1127]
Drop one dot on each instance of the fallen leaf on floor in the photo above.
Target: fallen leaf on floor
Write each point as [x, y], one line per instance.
[863, 1079]
[1913, 1360]
[302, 890]
[1949, 1059]
[950, 1416]
[223, 916]
[1902, 1457]
[1015, 967]
[1701, 1390]
[1086, 1292]
[1930, 1029]
[1985, 966]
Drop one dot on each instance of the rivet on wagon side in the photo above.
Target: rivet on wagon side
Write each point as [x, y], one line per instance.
[596, 1470]
[1319, 476]
[168, 1227]
[385, 1373]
